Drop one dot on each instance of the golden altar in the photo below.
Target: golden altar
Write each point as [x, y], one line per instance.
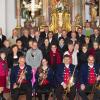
[60, 17]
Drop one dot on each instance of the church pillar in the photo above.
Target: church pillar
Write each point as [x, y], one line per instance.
[73, 11]
[83, 11]
[18, 12]
[45, 11]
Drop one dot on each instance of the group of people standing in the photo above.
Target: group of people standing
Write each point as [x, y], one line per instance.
[64, 61]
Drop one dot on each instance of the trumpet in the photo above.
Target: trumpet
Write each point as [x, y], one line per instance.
[71, 82]
[20, 79]
[42, 76]
[97, 84]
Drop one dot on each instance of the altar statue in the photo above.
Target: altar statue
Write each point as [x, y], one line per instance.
[93, 11]
[60, 17]
[54, 21]
[59, 6]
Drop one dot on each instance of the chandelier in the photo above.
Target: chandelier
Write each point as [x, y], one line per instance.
[32, 6]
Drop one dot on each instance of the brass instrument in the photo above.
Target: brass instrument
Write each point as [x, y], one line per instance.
[71, 82]
[95, 86]
[20, 79]
[42, 76]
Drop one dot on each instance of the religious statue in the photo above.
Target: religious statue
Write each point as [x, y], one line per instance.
[77, 20]
[93, 11]
[59, 16]
[59, 6]
[54, 19]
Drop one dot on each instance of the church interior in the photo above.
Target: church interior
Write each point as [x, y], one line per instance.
[31, 30]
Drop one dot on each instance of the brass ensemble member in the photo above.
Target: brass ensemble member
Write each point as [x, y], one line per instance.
[44, 79]
[20, 78]
[89, 77]
[64, 73]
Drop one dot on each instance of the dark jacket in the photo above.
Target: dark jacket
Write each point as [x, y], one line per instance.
[85, 71]
[62, 50]
[13, 61]
[93, 38]
[1, 41]
[40, 41]
[25, 42]
[14, 74]
[45, 51]
[82, 58]
[59, 74]
[43, 35]
[49, 78]
[81, 40]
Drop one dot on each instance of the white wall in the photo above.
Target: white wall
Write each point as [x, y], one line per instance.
[7, 16]
[3, 15]
[10, 18]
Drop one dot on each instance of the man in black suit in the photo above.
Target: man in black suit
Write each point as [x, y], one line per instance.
[44, 34]
[51, 38]
[95, 36]
[81, 37]
[2, 38]
[25, 38]
[38, 38]
[58, 34]
[65, 36]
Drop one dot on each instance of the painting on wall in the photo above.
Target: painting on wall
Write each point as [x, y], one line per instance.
[25, 14]
[23, 11]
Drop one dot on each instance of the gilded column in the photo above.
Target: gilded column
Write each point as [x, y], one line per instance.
[83, 11]
[73, 11]
[18, 14]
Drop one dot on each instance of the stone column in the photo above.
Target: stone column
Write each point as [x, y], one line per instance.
[73, 11]
[18, 14]
[45, 11]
